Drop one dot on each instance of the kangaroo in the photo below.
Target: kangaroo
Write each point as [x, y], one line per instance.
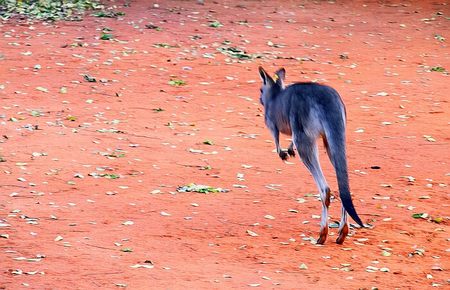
[307, 111]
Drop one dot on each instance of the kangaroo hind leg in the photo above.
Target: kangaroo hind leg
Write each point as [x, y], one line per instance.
[309, 154]
[343, 227]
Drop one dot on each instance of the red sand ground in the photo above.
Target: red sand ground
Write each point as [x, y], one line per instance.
[63, 227]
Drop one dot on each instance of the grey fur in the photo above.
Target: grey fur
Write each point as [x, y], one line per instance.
[307, 111]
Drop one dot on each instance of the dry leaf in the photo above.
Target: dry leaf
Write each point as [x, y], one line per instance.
[251, 233]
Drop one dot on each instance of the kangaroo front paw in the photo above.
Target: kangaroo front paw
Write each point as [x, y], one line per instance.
[291, 152]
[283, 155]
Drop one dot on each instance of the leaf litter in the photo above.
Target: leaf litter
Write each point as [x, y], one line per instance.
[99, 102]
[199, 188]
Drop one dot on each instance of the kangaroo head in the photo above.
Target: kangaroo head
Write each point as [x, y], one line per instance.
[270, 87]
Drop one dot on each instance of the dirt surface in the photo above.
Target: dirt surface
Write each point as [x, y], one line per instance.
[90, 170]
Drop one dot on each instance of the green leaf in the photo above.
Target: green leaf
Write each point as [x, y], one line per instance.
[438, 69]
[111, 176]
[420, 215]
[215, 24]
[107, 36]
[177, 83]
[192, 187]
[417, 215]
[108, 14]
[164, 45]
[71, 118]
[236, 53]
[71, 10]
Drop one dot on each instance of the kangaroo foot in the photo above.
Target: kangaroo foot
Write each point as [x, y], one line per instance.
[323, 236]
[343, 232]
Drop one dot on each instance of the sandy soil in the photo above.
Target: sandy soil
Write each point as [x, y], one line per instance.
[90, 169]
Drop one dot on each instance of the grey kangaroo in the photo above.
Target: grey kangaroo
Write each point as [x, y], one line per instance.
[307, 111]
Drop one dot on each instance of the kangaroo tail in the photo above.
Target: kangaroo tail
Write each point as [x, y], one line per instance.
[335, 143]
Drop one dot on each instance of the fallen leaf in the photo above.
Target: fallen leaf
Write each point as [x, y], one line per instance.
[89, 78]
[215, 24]
[251, 233]
[429, 138]
[437, 69]
[192, 187]
[371, 269]
[386, 254]
[177, 82]
[106, 36]
[420, 215]
[438, 220]
[146, 266]
[42, 89]
[303, 266]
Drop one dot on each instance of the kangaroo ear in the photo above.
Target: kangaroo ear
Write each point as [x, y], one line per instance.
[281, 75]
[264, 76]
